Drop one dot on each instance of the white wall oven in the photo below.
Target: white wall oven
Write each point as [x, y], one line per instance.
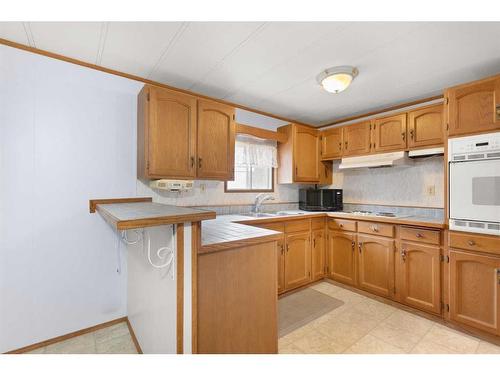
[474, 183]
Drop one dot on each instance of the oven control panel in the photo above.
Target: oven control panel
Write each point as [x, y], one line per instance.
[482, 146]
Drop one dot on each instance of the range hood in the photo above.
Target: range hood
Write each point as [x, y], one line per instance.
[390, 159]
[426, 152]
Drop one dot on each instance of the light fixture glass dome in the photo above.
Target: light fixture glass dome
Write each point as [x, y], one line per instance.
[337, 79]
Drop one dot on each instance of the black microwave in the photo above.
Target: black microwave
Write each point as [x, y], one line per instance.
[320, 199]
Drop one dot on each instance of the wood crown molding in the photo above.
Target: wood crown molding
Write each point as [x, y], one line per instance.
[139, 79]
[261, 133]
[381, 111]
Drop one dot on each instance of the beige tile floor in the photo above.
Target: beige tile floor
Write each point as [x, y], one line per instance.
[115, 339]
[365, 326]
[362, 326]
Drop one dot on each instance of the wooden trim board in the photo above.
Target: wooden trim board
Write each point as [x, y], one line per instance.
[261, 133]
[94, 202]
[195, 245]
[67, 336]
[180, 288]
[134, 337]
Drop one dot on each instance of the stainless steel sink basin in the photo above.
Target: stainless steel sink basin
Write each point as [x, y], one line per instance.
[272, 214]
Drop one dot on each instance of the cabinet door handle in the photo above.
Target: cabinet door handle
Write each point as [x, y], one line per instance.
[192, 161]
[360, 246]
[287, 248]
[403, 254]
[403, 135]
[314, 243]
[345, 145]
[411, 134]
[340, 145]
[353, 244]
[199, 162]
[498, 275]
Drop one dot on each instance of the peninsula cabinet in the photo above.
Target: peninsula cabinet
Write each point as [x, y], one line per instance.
[331, 144]
[297, 259]
[389, 133]
[357, 139]
[342, 256]
[182, 137]
[376, 264]
[299, 156]
[419, 276]
[475, 290]
[425, 127]
[473, 107]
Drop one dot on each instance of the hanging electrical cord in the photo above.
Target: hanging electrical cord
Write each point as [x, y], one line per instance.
[169, 262]
[139, 234]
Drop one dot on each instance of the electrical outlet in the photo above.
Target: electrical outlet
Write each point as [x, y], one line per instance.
[203, 187]
[431, 190]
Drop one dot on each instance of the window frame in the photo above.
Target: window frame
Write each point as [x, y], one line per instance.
[226, 190]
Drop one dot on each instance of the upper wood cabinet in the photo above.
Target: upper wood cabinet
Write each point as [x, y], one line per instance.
[216, 135]
[474, 107]
[475, 290]
[419, 276]
[299, 156]
[331, 144]
[376, 264]
[297, 259]
[389, 133]
[357, 139]
[341, 254]
[318, 254]
[425, 126]
[181, 136]
[166, 134]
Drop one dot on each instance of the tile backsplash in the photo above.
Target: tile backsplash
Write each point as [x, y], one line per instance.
[398, 186]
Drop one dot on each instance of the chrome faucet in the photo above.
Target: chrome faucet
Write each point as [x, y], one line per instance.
[259, 199]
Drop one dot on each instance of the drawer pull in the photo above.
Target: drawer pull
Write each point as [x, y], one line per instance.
[471, 242]
[403, 254]
[374, 228]
[419, 235]
[341, 225]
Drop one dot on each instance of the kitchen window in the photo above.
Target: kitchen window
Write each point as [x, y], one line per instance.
[254, 162]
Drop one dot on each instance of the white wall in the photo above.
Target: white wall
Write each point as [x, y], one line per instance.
[67, 134]
[403, 186]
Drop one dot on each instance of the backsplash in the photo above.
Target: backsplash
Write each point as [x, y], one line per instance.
[398, 186]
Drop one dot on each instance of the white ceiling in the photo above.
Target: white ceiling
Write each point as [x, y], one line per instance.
[272, 66]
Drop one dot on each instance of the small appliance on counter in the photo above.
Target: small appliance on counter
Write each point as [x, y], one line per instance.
[320, 199]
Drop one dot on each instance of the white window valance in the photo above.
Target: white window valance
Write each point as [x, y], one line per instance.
[255, 152]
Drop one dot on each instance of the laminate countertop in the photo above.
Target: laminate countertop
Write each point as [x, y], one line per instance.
[230, 231]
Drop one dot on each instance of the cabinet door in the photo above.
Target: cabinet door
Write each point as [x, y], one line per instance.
[216, 134]
[325, 173]
[357, 139]
[297, 259]
[425, 126]
[171, 134]
[420, 276]
[306, 154]
[331, 144]
[318, 263]
[475, 290]
[389, 133]
[281, 266]
[474, 107]
[342, 257]
[376, 265]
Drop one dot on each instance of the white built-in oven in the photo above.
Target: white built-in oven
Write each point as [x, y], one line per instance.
[474, 183]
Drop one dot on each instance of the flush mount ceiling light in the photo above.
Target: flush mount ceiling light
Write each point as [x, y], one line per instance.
[337, 79]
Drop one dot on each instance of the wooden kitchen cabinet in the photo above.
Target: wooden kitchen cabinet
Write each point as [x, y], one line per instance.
[419, 276]
[425, 127]
[297, 259]
[475, 290]
[357, 139]
[281, 265]
[342, 256]
[473, 107]
[376, 264]
[389, 133]
[318, 254]
[166, 134]
[331, 144]
[325, 173]
[299, 157]
[216, 137]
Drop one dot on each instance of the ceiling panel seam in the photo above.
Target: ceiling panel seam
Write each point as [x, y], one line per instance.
[239, 46]
[29, 34]
[182, 28]
[102, 42]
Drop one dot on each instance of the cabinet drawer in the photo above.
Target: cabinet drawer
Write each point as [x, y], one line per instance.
[420, 235]
[475, 242]
[340, 224]
[386, 230]
[297, 225]
[279, 227]
[318, 223]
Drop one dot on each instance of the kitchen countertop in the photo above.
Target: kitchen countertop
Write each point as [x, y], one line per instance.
[229, 231]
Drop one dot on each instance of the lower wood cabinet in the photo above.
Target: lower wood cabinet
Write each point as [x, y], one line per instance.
[342, 256]
[318, 254]
[281, 265]
[376, 264]
[419, 276]
[475, 290]
[297, 259]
